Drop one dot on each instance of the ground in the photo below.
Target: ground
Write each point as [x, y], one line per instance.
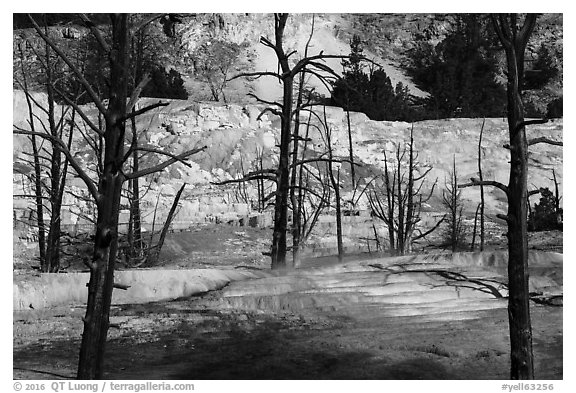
[361, 319]
[181, 340]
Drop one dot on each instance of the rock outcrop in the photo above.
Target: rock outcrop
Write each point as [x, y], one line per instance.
[236, 135]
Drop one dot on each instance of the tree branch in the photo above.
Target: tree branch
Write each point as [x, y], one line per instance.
[143, 110]
[137, 91]
[271, 110]
[476, 182]
[266, 42]
[159, 167]
[78, 110]
[81, 173]
[308, 160]
[157, 151]
[544, 139]
[502, 34]
[307, 60]
[423, 235]
[529, 123]
[256, 75]
[534, 192]
[264, 101]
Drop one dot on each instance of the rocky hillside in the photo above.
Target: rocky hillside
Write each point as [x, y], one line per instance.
[235, 136]
[387, 38]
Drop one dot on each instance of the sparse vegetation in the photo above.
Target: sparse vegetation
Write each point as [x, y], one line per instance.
[547, 214]
[454, 233]
[397, 198]
[371, 93]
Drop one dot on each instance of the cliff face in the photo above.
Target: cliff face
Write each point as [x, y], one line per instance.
[235, 137]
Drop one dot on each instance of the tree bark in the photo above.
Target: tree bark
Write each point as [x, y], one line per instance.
[336, 186]
[473, 246]
[156, 254]
[283, 175]
[481, 178]
[135, 202]
[44, 267]
[350, 148]
[294, 199]
[53, 242]
[100, 286]
[514, 41]
[410, 197]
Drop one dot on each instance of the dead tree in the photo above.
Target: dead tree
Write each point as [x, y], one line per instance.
[401, 210]
[135, 223]
[514, 39]
[297, 193]
[106, 190]
[37, 178]
[481, 177]
[154, 253]
[313, 195]
[557, 198]
[452, 200]
[286, 74]
[335, 181]
[49, 158]
[350, 147]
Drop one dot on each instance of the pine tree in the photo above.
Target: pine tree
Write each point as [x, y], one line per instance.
[371, 93]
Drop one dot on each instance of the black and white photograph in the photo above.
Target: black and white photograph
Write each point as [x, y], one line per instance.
[223, 196]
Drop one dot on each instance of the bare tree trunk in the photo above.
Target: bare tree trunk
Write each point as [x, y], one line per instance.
[135, 219]
[44, 267]
[53, 247]
[336, 186]
[402, 212]
[390, 195]
[283, 174]
[294, 200]
[410, 197]
[305, 225]
[481, 188]
[559, 217]
[96, 321]
[376, 238]
[53, 243]
[108, 146]
[260, 181]
[338, 217]
[451, 199]
[285, 75]
[514, 41]
[352, 169]
[281, 205]
[473, 246]
[156, 254]
[401, 196]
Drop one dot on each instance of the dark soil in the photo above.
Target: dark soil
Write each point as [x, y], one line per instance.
[185, 340]
[196, 339]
